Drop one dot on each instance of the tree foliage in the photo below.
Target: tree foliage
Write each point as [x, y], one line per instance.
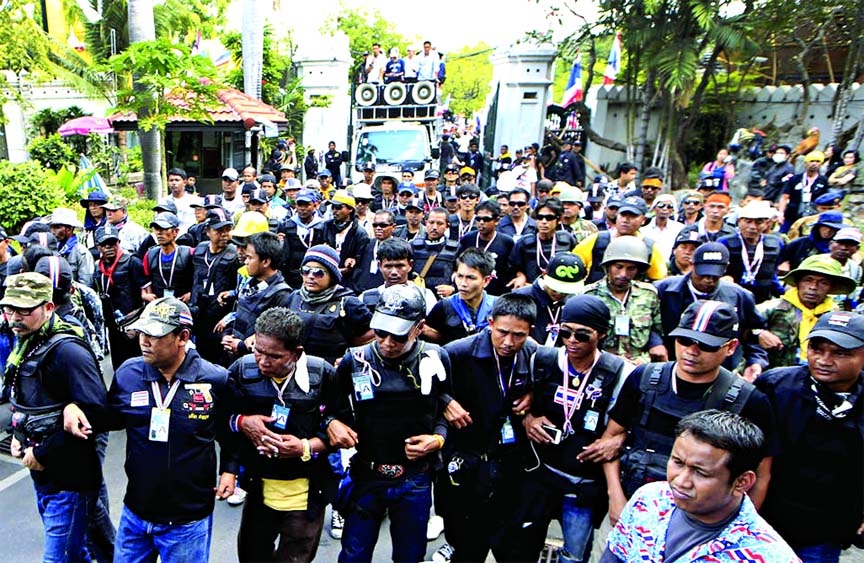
[364, 28]
[274, 74]
[469, 73]
[26, 191]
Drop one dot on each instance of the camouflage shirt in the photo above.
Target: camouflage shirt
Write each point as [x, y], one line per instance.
[581, 228]
[784, 320]
[643, 327]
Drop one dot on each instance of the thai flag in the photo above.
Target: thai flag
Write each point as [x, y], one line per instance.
[573, 93]
[196, 47]
[613, 65]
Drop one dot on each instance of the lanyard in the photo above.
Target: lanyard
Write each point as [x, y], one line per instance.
[210, 264]
[571, 408]
[538, 253]
[428, 205]
[488, 244]
[162, 273]
[465, 228]
[504, 385]
[751, 269]
[281, 390]
[108, 273]
[157, 394]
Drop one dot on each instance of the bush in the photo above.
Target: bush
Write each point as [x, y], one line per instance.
[26, 193]
[53, 152]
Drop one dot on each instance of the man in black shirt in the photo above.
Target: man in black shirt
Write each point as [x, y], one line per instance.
[487, 238]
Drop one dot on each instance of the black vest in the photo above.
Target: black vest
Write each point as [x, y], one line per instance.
[210, 281]
[294, 249]
[441, 271]
[121, 295]
[249, 307]
[645, 461]
[181, 282]
[564, 242]
[323, 337]
[764, 288]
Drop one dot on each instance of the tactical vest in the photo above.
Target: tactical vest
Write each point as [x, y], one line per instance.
[442, 269]
[294, 249]
[249, 307]
[121, 295]
[323, 335]
[210, 282]
[363, 278]
[764, 287]
[181, 283]
[597, 272]
[564, 242]
[645, 461]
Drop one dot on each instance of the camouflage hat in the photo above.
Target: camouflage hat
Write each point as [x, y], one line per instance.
[27, 290]
[822, 265]
[115, 204]
[162, 316]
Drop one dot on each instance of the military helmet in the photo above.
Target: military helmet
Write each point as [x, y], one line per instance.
[627, 249]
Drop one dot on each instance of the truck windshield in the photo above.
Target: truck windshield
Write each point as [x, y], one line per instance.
[391, 146]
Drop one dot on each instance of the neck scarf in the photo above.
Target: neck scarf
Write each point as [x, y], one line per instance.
[832, 405]
[808, 317]
[24, 347]
[69, 245]
[317, 298]
[480, 320]
[109, 271]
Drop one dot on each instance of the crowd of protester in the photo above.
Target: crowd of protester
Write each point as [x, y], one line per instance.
[552, 348]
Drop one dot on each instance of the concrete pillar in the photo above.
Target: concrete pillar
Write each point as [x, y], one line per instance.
[324, 63]
[523, 75]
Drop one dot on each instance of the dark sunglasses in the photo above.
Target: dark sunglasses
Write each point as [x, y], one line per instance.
[314, 272]
[664, 206]
[364, 201]
[519, 203]
[690, 202]
[547, 217]
[107, 244]
[579, 335]
[383, 334]
[337, 207]
[381, 225]
[652, 188]
[688, 342]
[484, 219]
[468, 196]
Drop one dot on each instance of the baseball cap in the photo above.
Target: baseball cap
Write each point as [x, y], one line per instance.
[56, 269]
[614, 201]
[451, 168]
[832, 219]
[369, 166]
[230, 174]
[710, 259]
[848, 234]
[325, 172]
[362, 191]
[3, 235]
[431, 175]
[843, 328]
[165, 220]
[306, 195]
[564, 272]
[633, 204]
[248, 188]
[710, 322]
[41, 238]
[162, 316]
[106, 233]
[167, 206]
[689, 236]
[343, 197]
[116, 203]
[27, 290]
[823, 265]
[596, 193]
[406, 189]
[545, 185]
[258, 195]
[815, 156]
[66, 216]
[829, 198]
[757, 209]
[399, 308]
[218, 218]
[467, 170]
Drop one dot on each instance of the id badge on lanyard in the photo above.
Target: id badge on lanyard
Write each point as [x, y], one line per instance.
[160, 415]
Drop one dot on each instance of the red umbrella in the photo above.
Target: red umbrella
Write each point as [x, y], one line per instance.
[85, 125]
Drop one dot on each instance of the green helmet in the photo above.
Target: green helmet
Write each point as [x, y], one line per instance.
[627, 249]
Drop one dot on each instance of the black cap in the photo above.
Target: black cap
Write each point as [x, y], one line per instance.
[431, 175]
[689, 236]
[845, 329]
[633, 204]
[710, 322]
[218, 218]
[258, 195]
[399, 308]
[369, 166]
[711, 259]
[166, 206]
[106, 233]
[564, 272]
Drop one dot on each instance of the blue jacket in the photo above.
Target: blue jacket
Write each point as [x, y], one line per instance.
[171, 482]
[675, 296]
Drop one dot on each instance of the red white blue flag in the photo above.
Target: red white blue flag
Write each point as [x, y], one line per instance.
[574, 93]
[613, 64]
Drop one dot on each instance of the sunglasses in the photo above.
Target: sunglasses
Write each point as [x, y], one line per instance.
[688, 342]
[383, 335]
[316, 273]
[108, 244]
[364, 201]
[20, 311]
[652, 188]
[664, 206]
[547, 217]
[451, 172]
[519, 203]
[579, 335]
[337, 207]
[484, 219]
[690, 202]
[468, 196]
[381, 225]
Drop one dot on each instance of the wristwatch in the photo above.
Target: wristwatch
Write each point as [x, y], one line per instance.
[757, 331]
[307, 450]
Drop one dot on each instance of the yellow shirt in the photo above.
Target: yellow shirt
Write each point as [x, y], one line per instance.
[286, 496]
[657, 269]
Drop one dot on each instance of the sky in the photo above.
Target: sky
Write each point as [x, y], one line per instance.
[449, 24]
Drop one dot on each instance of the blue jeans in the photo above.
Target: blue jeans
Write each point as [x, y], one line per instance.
[578, 531]
[408, 502]
[139, 540]
[64, 517]
[820, 553]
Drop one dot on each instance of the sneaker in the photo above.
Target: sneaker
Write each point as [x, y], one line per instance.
[434, 528]
[444, 554]
[238, 498]
[337, 524]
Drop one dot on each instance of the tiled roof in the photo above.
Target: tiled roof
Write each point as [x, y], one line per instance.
[234, 107]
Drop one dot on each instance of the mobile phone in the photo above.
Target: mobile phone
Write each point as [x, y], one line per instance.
[553, 432]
